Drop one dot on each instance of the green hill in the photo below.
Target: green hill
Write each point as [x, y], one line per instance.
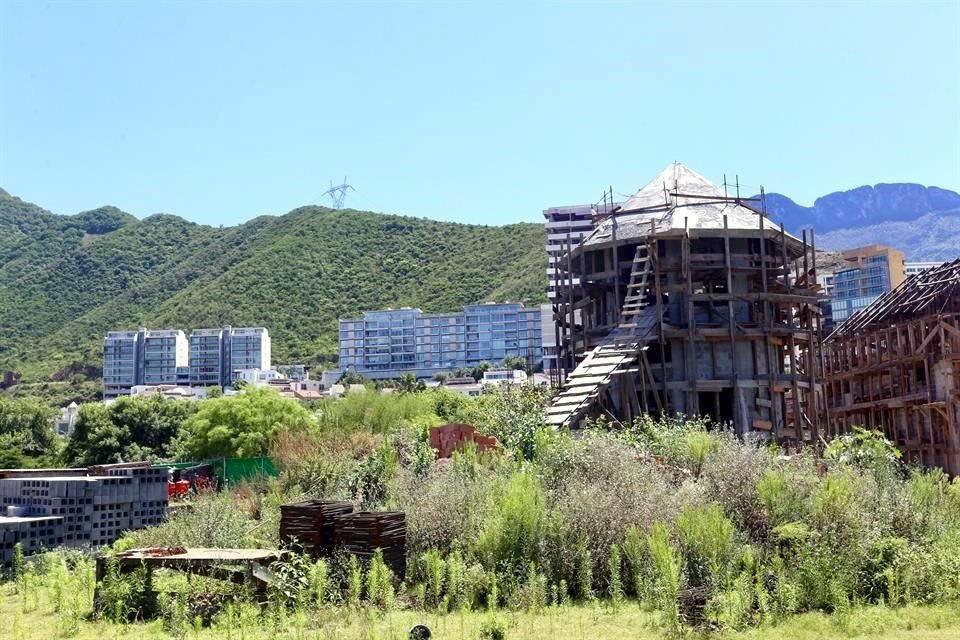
[66, 280]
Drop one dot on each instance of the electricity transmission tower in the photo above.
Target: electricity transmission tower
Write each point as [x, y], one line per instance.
[338, 193]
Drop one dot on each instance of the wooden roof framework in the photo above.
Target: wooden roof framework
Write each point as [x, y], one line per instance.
[895, 367]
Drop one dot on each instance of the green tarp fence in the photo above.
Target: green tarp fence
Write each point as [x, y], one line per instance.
[234, 470]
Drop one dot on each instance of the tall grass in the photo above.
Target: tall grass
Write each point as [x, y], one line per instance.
[375, 412]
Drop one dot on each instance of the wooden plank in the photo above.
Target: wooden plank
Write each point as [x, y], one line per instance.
[582, 381]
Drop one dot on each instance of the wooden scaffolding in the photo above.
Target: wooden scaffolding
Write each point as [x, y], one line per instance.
[692, 302]
[895, 367]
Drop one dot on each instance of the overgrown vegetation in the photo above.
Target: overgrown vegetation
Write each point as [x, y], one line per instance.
[27, 438]
[696, 529]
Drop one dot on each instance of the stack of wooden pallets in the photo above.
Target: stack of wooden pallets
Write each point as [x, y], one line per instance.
[363, 533]
[309, 525]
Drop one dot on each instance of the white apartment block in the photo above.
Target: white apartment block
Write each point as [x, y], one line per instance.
[168, 358]
[140, 357]
[165, 356]
[566, 226]
[913, 268]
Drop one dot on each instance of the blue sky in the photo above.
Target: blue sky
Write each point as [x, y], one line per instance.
[465, 111]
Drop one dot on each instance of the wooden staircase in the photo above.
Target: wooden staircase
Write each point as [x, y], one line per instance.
[618, 354]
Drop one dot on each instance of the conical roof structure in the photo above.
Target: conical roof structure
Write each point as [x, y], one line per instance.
[679, 198]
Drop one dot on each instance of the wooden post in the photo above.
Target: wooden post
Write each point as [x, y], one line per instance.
[693, 404]
[617, 310]
[571, 356]
[767, 325]
[658, 291]
[738, 420]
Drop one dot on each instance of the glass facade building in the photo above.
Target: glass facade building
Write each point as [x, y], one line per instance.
[210, 357]
[217, 354]
[386, 344]
[120, 362]
[874, 270]
[133, 358]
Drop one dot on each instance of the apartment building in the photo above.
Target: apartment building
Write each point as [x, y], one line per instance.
[217, 354]
[153, 358]
[121, 355]
[872, 271]
[207, 363]
[388, 343]
[165, 357]
[565, 226]
[140, 357]
[913, 268]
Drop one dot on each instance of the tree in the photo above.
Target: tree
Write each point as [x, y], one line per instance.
[243, 425]
[477, 371]
[515, 363]
[26, 429]
[352, 377]
[126, 430]
[409, 383]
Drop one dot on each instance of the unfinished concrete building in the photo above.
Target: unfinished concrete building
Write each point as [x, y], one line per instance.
[687, 299]
[895, 367]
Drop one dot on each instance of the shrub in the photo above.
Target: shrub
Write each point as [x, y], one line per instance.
[730, 469]
[368, 486]
[707, 545]
[213, 521]
[354, 582]
[445, 506]
[516, 415]
[511, 538]
[634, 551]
[374, 412]
[584, 572]
[434, 570]
[615, 588]
[379, 582]
[865, 450]
[492, 629]
[607, 493]
[667, 563]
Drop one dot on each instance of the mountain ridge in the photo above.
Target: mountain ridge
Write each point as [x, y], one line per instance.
[66, 280]
[890, 202]
[884, 213]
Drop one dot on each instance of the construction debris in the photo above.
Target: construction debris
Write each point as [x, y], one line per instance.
[452, 437]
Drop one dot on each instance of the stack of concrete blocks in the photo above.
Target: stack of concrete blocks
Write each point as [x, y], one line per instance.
[68, 498]
[149, 505]
[33, 533]
[73, 510]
